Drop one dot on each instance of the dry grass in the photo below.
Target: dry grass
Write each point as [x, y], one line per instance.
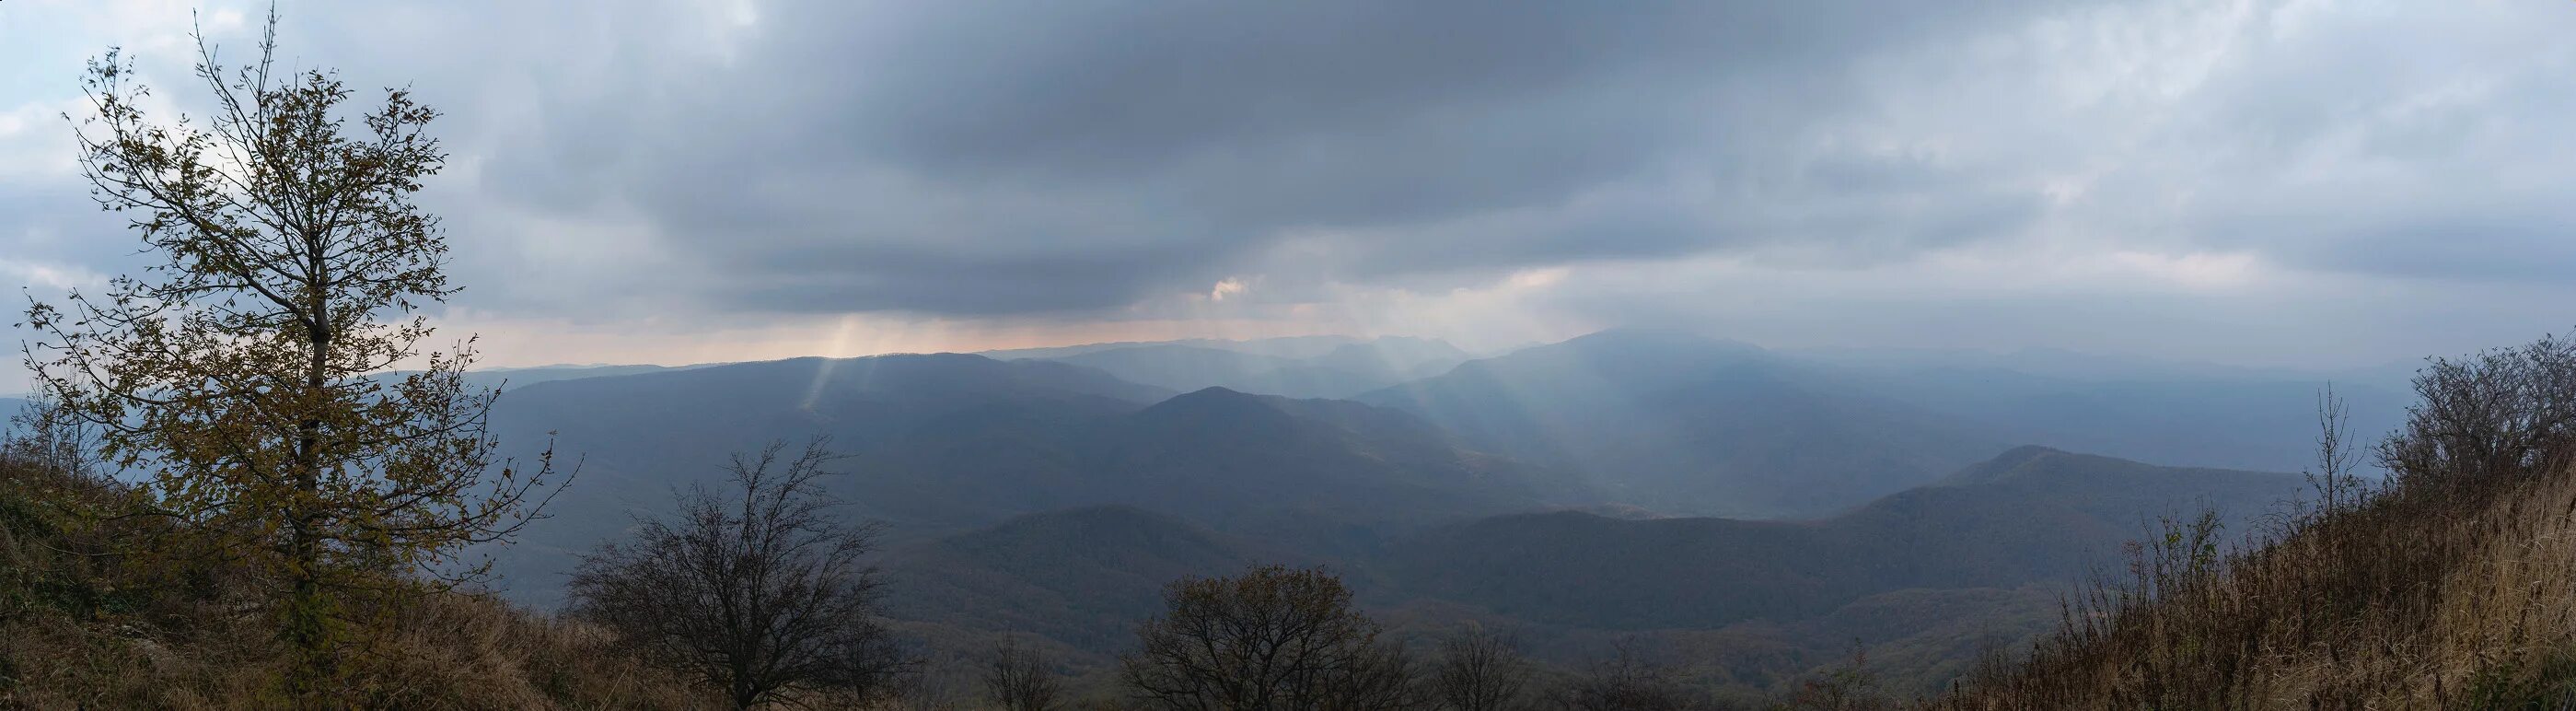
[2401, 605]
[2453, 586]
[454, 652]
[457, 652]
[88, 619]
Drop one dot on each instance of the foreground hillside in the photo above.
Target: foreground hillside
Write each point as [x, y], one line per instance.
[91, 619]
[2446, 587]
[2407, 604]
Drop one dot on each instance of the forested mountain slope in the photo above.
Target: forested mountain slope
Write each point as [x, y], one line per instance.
[1933, 574]
[945, 443]
[2031, 515]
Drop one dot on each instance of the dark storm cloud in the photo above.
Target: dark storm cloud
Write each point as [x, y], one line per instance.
[1055, 158]
[1087, 90]
[979, 159]
[819, 277]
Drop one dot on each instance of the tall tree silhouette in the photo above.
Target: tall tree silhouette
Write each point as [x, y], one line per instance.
[236, 372]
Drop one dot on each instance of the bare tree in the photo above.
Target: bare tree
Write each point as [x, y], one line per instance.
[1480, 670]
[239, 374]
[1626, 681]
[1382, 677]
[54, 440]
[2336, 485]
[1019, 679]
[1273, 638]
[764, 595]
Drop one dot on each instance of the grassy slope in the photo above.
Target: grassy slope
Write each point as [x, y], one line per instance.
[2415, 600]
[83, 626]
[2446, 587]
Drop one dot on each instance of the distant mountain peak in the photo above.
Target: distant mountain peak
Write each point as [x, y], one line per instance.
[1219, 392]
[2014, 463]
[1214, 403]
[2035, 463]
[2025, 453]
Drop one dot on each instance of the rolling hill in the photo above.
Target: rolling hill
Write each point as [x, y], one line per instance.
[1051, 498]
[1932, 576]
[1678, 422]
[1193, 367]
[2031, 515]
[635, 438]
[2172, 415]
[1082, 577]
[1328, 475]
[947, 443]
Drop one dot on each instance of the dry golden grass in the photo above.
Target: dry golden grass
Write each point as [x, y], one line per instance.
[452, 652]
[2406, 603]
[2453, 586]
[89, 621]
[457, 652]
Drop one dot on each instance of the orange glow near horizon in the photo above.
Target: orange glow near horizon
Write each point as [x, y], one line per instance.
[513, 344]
[1485, 316]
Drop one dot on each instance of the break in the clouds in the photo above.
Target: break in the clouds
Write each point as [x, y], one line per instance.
[2232, 180]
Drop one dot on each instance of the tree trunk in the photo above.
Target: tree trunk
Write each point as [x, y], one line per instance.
[308, 614]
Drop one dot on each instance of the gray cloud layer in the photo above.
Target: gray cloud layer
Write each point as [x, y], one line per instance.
[1093, 159]
[992, 159]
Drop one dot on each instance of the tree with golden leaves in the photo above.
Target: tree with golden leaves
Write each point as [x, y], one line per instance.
[243, 378]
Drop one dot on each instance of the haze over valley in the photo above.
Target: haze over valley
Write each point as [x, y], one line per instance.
[1643, 483]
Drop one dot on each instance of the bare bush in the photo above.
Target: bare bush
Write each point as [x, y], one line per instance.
[1272, 638]
[1019, 679]
[1481, 670]
[2335, 481]
[763, 595]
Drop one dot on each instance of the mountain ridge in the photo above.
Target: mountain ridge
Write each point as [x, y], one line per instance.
[2058, 512]
[974, 441]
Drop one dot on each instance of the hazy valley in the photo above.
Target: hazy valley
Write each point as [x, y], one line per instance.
[1566, 490]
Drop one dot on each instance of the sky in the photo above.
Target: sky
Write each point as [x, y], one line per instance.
[2297, 183]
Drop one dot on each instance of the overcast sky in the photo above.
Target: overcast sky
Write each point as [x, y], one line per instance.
[2275, 183]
